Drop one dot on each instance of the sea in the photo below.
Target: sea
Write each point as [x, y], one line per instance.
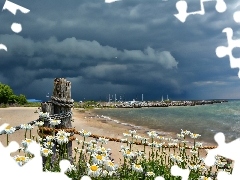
[206, 120]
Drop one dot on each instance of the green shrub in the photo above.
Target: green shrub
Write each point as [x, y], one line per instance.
[5, 93]
[22, 99]
[2, 105]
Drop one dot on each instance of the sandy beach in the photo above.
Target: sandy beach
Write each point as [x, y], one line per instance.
[82, 120]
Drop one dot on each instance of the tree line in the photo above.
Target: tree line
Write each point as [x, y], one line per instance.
[7, 96]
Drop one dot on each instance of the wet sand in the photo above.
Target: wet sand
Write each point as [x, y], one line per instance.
[86, 120]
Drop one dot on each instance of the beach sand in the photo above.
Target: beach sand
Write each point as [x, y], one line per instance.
[82, 120]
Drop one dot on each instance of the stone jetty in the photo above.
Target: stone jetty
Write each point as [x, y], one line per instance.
[146, 104]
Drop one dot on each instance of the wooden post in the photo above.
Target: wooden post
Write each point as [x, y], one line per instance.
[59, 108]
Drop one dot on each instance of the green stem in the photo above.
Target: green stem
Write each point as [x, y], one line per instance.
[53, 134]
[152, 150]
[25, 135]
[7, 140]
[144, 146]
[67, 151]
[83, 142]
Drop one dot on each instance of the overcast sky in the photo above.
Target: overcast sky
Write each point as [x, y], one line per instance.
[128, 48]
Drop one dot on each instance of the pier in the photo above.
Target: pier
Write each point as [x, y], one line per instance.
[148, 104]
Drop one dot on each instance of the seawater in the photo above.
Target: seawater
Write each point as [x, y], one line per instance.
[205, 120]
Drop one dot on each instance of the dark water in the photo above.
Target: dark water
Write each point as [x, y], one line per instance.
[206, 120]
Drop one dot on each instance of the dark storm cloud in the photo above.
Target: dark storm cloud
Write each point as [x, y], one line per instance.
[127, 47]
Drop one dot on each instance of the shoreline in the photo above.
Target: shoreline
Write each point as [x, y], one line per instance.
[87, 120]
[106, 127]
[142, 130]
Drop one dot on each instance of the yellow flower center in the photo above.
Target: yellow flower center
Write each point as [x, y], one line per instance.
[45, 151]
[20, 158]
[110, 164]
[128, 152]
[94, 168]
[99, 157]
[28, 140]
[8, 127]
[138, 166]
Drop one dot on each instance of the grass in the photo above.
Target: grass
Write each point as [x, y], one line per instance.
[28, 104]
[32, 104]
[2, 105]
[156, 157]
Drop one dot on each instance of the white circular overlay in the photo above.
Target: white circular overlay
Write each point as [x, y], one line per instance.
[236, 16]
[17, 28]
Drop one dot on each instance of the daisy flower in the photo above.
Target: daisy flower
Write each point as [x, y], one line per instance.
[71, 168]
[137, 167]
[26, 142]
[84, 133]
[62, 133]
[152, 134]
[48, 144]
[39, 123]
[43, 115]
[54, 122]
[9, 130]
[46, 152]
[98, 159]
[62, 139]
[21, 160]
[94, 170]
[49, 138]
[110, 166]
[186, 132]
[103, 140]
[194, 136]
[132, 132]
[150, 174]
[128, 154]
